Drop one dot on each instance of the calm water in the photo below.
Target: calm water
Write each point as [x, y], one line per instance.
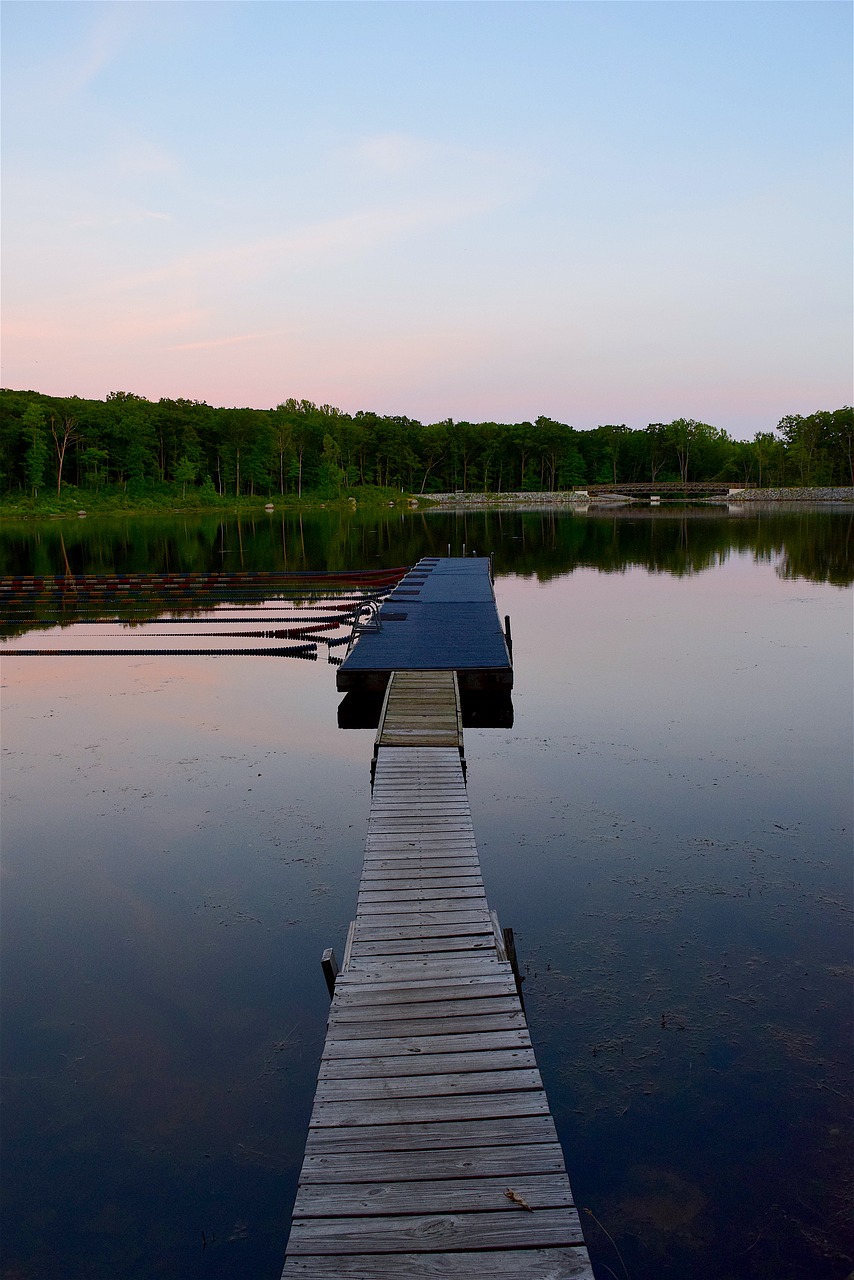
[667, 828]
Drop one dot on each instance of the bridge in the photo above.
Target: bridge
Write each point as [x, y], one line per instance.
[667, 488]
[431, 1148]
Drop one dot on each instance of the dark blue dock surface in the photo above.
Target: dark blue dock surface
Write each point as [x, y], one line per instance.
[441, 617]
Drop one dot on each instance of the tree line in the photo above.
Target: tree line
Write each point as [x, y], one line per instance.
[130, 444]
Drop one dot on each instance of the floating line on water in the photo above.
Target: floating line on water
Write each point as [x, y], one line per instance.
[179, 622]
[221, 581]
[293, 633]
[308, 651]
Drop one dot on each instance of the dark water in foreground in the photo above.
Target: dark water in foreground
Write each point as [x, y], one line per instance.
[667, 827]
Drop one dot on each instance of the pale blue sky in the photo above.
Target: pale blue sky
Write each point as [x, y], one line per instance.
[602, 212]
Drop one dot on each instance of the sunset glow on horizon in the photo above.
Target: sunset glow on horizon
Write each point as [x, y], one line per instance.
[600, 212]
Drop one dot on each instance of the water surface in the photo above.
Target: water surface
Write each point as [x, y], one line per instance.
[667, 828]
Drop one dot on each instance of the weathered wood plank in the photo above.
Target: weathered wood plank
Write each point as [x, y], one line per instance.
[416, 860]
[377, 1010]
[418, 933]
[420, 877]
[423, 1064]
[470, 1132]
[457, 1195]
[409, 969]
[456, 1162]
[424, 893]
[470, 980]
[369, 996]
[436, 1085]
[416, 1046]
[359, 1025]
[432, 1232]
[468, 1106]
[424, 946]
[464, 916]
[560, 1263]
[429, 906]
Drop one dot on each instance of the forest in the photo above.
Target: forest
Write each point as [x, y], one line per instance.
[128, 446]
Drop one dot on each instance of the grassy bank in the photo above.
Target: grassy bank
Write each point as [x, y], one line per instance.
[73, 501]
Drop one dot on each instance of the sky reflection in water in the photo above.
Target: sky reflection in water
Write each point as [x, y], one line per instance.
[666, 828]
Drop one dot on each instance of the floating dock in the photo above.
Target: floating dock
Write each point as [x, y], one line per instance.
[441, 616]
[431, 1149]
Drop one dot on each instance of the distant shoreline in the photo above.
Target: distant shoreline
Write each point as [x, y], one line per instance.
[86, 504]
[580, 498]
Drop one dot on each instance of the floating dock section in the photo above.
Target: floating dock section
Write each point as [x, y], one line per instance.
[431, 1149]
[441, 616]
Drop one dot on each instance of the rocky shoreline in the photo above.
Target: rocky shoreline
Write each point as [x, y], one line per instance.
[580, 498]
[838, 494]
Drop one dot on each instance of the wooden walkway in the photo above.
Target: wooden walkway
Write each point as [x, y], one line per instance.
[421, 709]
[431, 1149]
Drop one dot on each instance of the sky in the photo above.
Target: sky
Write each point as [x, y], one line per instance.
[599, 212]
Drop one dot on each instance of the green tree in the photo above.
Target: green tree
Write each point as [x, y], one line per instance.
[657, 448]
[185, 472]
[93, 461]
[34, 431]
[685, 436]
[332, 476]
[614, 438]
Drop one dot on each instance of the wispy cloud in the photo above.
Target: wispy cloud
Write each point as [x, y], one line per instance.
[324, 242]
[105, 39]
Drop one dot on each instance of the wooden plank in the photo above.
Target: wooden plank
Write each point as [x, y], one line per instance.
[464, 916]
[455, 1195]
[367, 930]
[384, 845]
[471, 1132]
[349, 992]
[414, 877]
[373, 1010]
[469, 1106]
[415, 1046]
[384, 1021]
[432, 1232]
[560, 1263]
[435, 805]
[435, 1087]
[419, 868]
[424, 946]
[398, 1065]
[420, 836]
[457, 1162]
[429, 906]
[426, 893]
[407, 970]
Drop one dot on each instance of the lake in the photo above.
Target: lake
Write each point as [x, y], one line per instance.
[666, 827]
